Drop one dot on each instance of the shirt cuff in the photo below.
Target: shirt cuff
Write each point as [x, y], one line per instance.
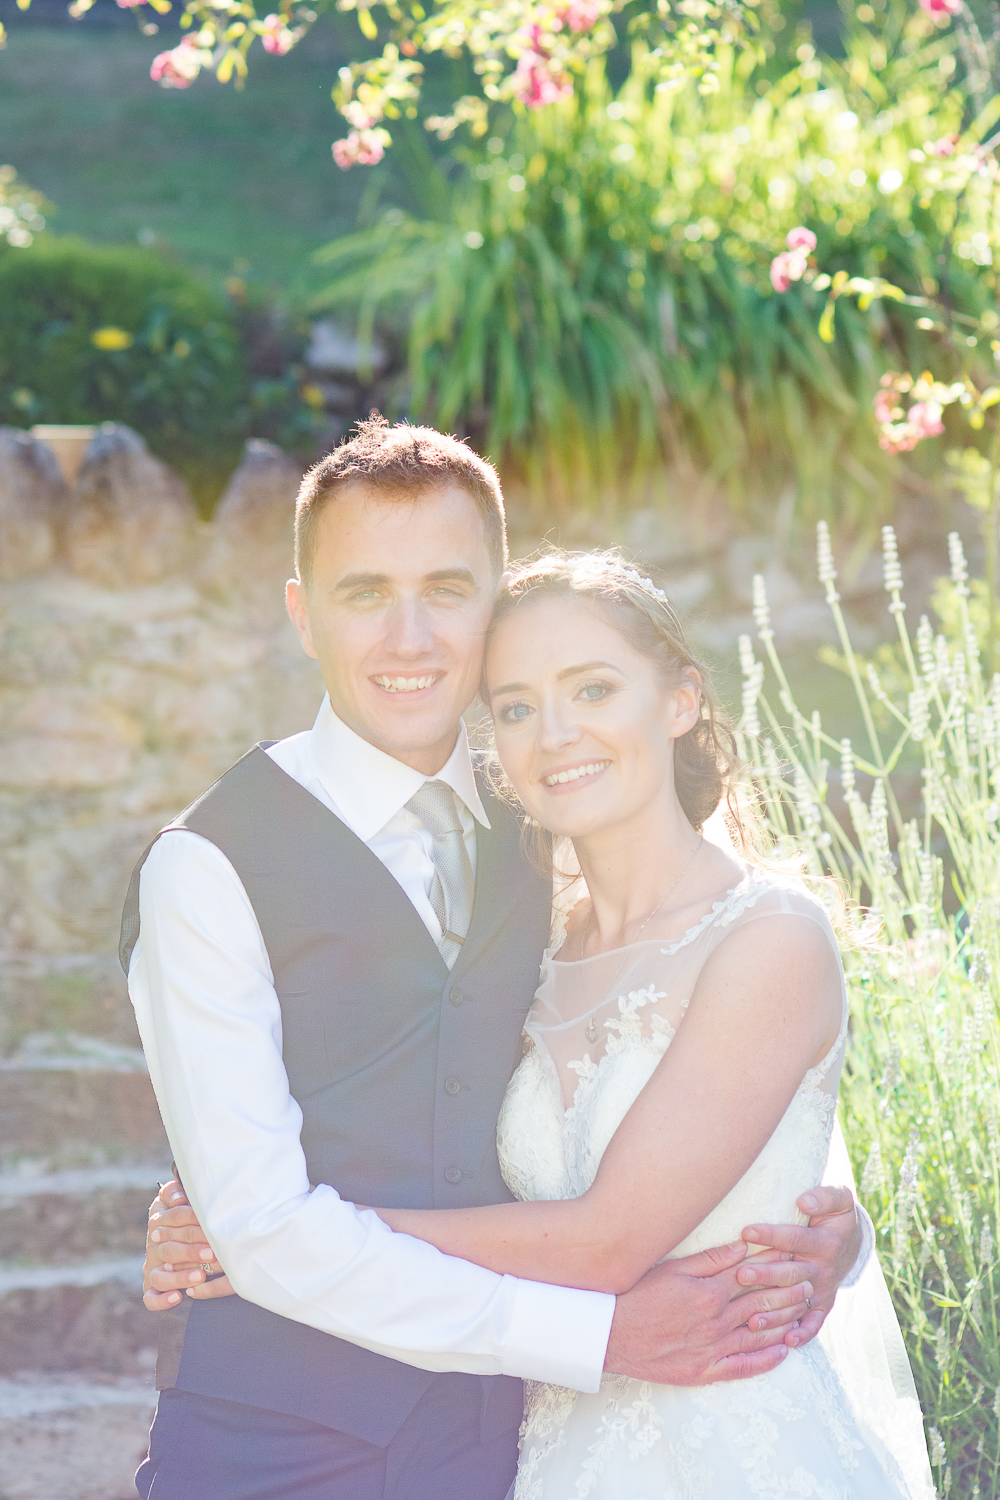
[558, 1335]
[866, 1252]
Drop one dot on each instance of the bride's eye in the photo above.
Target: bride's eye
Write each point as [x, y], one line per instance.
[514, 713]
[593, 692]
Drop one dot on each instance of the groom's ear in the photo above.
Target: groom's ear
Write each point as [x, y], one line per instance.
[296, 603]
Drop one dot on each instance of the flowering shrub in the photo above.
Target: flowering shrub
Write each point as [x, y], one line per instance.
[596, 292]
[920, 1098]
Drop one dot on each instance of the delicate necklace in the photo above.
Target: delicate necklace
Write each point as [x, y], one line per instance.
[591, 1032]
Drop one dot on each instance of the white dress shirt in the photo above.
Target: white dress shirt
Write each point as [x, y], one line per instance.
[210, 1021]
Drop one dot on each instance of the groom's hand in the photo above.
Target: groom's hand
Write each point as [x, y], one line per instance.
[827, 1249]
[176, 1251]
[692, 1322]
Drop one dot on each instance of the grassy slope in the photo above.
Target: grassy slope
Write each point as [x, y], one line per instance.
[220, 176]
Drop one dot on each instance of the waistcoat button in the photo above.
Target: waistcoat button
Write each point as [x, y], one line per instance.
[452, 1086]
[452, 1174]
[455, 995]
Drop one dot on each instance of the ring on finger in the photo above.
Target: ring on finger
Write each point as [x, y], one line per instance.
[204, 1265]
[809, 1303]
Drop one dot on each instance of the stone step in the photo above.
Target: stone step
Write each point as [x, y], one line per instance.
[87, 1315]
[78, 1101]
[83, 992]
[58, 1217]
[66, 1435]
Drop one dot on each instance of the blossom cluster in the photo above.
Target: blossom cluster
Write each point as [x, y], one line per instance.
[20, 210]
[901, 429]
[178, 68]
[791, 264]
[361, 148]
[542, 75]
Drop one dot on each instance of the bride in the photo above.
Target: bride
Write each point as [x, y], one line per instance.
[680, 1068]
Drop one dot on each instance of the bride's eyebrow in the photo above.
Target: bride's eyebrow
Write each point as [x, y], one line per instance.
[585, 666]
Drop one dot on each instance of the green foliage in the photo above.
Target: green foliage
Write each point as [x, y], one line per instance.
[91, 334]
[921, 1089]
[592, 294]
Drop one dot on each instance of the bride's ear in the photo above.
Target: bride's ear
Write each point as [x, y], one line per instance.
[686, 699]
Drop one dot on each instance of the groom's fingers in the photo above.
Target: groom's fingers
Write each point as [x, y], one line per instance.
[746, 1366]
[774, 1268]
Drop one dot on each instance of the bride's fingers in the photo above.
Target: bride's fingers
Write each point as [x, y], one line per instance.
[183, 1234]
[219, 1286]
[179, 1254]
[772, 1308]
[175, 1218]
[172, 1279]
[809, 1326]
[160, 1301]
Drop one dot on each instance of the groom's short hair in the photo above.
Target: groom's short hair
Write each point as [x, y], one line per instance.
[398, 460]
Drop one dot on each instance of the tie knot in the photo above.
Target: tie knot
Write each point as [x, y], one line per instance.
[435, 806]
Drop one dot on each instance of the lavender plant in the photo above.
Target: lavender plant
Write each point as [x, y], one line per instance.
[921, 1087]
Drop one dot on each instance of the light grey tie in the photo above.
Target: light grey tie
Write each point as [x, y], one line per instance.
[454, 884]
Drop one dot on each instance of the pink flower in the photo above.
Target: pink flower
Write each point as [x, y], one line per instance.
[362, 148]
[944, 147]
[276, 36]
[900, 437]
[886, 407]
[800, 239]
[579, 15]
[925, 419]
[938, 8]
[130, 4]
[178, 68]
[355, 113]
[535, 82]
[787, 267]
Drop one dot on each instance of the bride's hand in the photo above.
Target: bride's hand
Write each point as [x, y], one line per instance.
[176, 1250]
[826, 1250]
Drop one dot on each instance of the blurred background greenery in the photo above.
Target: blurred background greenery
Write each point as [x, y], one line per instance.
[584, 290]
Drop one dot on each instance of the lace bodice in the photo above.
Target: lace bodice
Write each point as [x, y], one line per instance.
[594, 1035]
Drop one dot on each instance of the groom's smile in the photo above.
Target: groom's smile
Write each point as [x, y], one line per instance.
[394, 606]
[407, 684]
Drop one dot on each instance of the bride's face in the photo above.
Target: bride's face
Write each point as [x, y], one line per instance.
[585, 724]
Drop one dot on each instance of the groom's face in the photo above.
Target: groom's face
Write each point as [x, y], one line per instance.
[395, 610]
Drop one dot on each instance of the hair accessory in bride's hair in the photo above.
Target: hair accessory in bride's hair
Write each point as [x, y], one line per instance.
[647, 585]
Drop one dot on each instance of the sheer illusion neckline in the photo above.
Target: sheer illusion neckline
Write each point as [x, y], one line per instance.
[705, 920]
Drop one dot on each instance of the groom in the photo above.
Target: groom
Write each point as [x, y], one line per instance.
[330, 955]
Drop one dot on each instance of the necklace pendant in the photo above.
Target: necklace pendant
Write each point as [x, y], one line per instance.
[592, 1032]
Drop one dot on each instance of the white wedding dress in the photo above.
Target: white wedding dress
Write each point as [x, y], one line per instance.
[838, 1419]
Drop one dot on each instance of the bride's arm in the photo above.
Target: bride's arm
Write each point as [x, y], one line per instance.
[767, 1007]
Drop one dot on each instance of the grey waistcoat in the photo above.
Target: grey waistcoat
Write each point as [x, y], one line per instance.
[398, 1065]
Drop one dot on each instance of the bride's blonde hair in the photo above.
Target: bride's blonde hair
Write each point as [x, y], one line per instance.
[707, 766]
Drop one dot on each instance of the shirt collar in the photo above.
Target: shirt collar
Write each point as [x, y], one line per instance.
[369, 787]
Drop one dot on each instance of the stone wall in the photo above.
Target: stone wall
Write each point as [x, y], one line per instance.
[141, 652]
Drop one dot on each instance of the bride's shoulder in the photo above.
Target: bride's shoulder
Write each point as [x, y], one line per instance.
[763, 892]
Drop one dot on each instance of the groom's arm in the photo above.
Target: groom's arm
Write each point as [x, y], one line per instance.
[210, 1022]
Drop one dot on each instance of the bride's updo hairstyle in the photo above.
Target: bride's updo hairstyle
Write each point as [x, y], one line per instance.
[706, 763]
